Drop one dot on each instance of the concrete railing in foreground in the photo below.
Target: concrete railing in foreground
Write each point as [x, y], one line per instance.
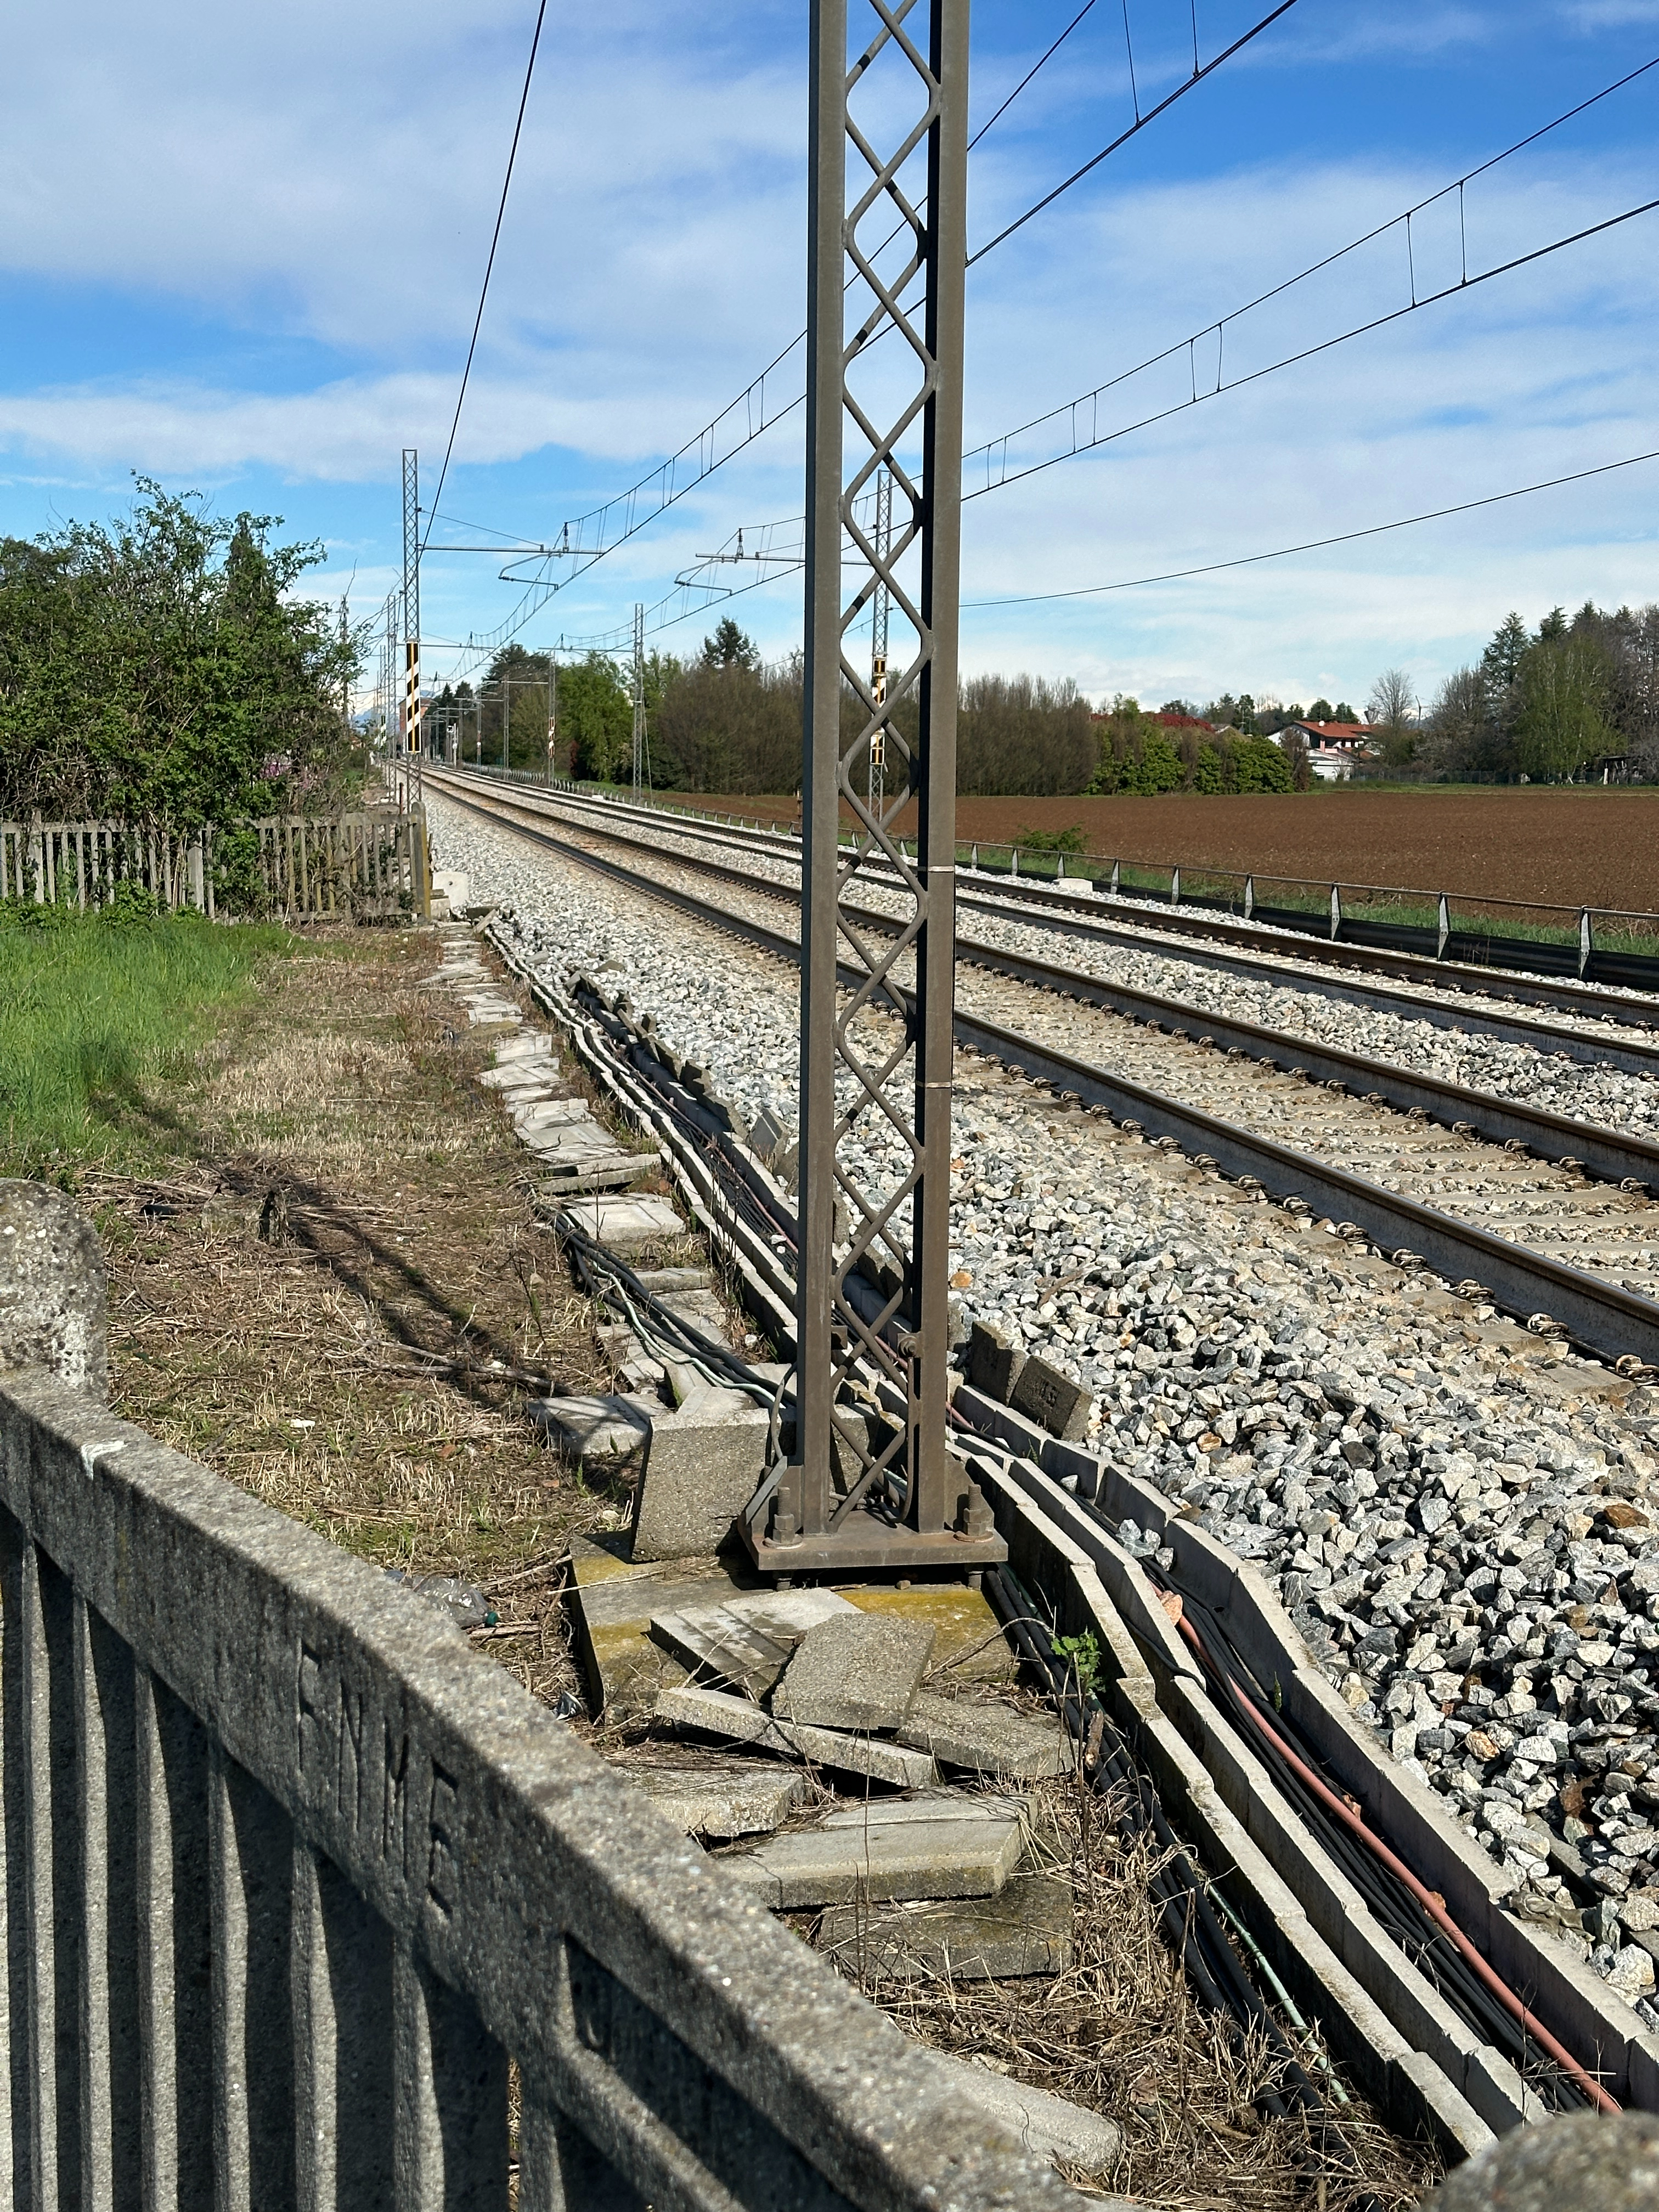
[294, 1882]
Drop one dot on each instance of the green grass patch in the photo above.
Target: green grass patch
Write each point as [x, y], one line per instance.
[93, 1011]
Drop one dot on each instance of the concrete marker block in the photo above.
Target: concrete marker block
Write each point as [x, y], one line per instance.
[54, 1288]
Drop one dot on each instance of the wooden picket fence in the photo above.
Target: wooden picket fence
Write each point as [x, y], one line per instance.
[86, 861]
[372, 863]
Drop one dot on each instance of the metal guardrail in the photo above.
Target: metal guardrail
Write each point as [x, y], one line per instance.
[1597, 945]
[303, 1896]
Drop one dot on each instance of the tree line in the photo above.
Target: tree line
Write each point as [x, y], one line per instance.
[729, 721]
[158, 668]
[1552, 703]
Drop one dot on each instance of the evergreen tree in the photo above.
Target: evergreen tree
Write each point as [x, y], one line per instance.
[729, 647]
[1500, 663]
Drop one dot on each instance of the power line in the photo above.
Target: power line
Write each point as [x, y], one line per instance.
[1316, 545]
[496, 240]
[1139, 123]
[1089, 399]
[588, 539]
[1197, 398]
[788, 566]
[997, 116]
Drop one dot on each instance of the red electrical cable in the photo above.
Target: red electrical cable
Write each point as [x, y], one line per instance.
[1427, 1898]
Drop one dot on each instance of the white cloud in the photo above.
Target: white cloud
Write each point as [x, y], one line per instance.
[652, 261]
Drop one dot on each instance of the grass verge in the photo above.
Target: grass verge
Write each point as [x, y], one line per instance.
[93, 1011]
[328, 1282]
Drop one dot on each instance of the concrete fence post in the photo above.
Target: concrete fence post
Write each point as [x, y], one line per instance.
[54, 1291]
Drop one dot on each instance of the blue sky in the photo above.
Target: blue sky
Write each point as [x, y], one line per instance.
[240, 250]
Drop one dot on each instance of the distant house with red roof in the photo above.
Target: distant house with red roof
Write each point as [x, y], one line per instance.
[1334, 747]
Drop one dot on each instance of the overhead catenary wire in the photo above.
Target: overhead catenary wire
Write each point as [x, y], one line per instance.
[1316, 545]
[483, 291]
[1139, 123]
[1207, 568]
[1197, 398]
[1218, 326]
[746, 419]
[691, 596]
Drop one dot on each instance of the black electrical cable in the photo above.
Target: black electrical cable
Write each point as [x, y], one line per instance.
[1139, 123]
[997, 115]
[1190, 1924]
[1312, 544]
[595, 1262]
[1396, 1909]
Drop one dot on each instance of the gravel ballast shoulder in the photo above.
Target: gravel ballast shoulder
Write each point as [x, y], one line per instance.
[1455, 1514]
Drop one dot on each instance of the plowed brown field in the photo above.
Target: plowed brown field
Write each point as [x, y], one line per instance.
[1563, 847]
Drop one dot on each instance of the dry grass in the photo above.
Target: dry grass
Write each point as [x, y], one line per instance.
[329, 1284]
[1121, 2033]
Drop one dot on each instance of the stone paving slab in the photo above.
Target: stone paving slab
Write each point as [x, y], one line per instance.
[748, 1643]
[595, 1430]
[949, 1847]
[986, 1738]
[614, 1599]
[859, 1672]
[529, 1044]
[545, 1113]
[625, 1224]
[969, 1641]
[728, 1797]
[740, 1720]
[1025, 1930]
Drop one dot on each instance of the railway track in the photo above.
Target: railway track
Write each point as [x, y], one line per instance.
[1235, 948]
[1534, 1214]
[1441, 2037]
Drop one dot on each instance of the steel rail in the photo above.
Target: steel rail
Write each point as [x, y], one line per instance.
[1080, 915]
[1184, 1909]
[1611, 1155]
[1603, 1317]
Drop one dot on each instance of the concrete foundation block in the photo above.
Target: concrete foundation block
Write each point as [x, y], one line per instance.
[702, 1465]
[1025, 1930]
[1043, 1394]
[54, 1289]
[993, 1364]
[859, 1671]
[986, 1738]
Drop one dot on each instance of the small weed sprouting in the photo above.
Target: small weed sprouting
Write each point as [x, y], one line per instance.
[1083, 1654]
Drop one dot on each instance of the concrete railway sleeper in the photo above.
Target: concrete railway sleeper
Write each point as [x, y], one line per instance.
[1382, 2024]
[1610, 1321]
[1237, 942]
